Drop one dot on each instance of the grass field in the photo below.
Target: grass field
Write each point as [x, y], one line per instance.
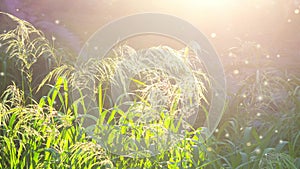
[41, 123]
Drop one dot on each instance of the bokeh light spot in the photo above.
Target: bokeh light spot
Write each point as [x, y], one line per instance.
[236, 72]
[209, 149]
[248, 144]
[213, 35]
[259, 98]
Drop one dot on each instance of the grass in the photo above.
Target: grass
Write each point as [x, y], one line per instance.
[38, 136]
[260, 130]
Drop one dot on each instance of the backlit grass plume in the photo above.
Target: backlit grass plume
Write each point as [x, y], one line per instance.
[23, 51]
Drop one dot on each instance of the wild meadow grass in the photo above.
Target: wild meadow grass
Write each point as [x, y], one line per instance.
[260, 129]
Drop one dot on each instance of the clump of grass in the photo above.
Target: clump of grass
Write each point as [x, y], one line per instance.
[26, 56]
[265, 94]
[38, 136]
[261, 122]
[148, 83]
[151, 99]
